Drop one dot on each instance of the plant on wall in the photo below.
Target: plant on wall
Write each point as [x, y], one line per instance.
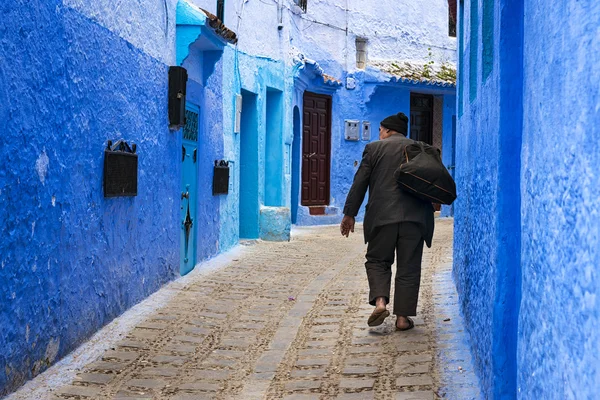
[428, 66]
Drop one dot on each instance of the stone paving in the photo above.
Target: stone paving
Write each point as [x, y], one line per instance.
[288, 321]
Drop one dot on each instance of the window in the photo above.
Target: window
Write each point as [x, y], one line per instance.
[361, 53]
[302, 4]
[452, 18]
[221, 10]
[487, 28]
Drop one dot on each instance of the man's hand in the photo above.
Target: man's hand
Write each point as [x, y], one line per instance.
[347, 225]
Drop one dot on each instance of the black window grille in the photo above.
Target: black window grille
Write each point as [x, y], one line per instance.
[190, 129]
[302, 4]
[221, 10]
[452, 18]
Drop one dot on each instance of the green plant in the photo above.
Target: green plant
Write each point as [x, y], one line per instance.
[428, 66]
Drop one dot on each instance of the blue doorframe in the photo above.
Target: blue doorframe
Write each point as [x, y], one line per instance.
[189, 189]
[249, 202]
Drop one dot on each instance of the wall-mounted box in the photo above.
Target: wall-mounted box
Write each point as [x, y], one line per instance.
[177, 88]
[366, 130]
[238, 113]
[120, 169]
[351, 130]
[221, 177]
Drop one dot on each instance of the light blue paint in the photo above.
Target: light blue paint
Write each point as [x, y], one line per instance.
[229, 204]
[449, 143]
[189, 201]
[249, 168]
[192, 28]
[275, 224]
[258, 77]
[273, 149]
[375, 97]
[200, 51]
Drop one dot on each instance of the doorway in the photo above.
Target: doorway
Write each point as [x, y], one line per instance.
[249, 205]
[421, 117]
[316, 149]
[296, 165]
[189, 190]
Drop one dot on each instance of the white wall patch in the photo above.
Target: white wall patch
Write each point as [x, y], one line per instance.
[41, 166]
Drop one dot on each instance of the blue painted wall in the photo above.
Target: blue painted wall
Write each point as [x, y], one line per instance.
[273, 149]
[526, 231]
[449, 143]
[249, 168]
[374, 98]
[560, 189]
[70, 80]
[67, 85]
[478, 263]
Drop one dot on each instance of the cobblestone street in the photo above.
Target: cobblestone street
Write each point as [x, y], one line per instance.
[285, 321]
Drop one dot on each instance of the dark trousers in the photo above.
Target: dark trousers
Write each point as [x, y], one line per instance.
[406, 239]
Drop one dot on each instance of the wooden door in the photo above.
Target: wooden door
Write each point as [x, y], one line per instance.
[316, 149]
[421, 117]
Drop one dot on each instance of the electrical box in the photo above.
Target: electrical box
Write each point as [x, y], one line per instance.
[221, 177]
[238, 113]
[120, 169]
[366, 131]
[351, 131]
[177, 88]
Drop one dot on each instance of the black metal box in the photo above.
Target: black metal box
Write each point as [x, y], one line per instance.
[120, 173]
[177, 89]
[221, 178]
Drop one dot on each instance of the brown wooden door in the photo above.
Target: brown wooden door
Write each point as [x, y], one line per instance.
[421, 117]
[316, 149]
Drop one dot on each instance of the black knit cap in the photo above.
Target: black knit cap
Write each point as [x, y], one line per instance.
[398, 123]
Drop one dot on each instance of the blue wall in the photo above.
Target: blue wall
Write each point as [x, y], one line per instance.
[72, 260]
[526, 231]
[479, 253]
[374, 98]
[559, 340]
[249, 168]
[273, 146]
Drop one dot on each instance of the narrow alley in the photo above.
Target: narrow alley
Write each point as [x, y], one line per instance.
[277, 321]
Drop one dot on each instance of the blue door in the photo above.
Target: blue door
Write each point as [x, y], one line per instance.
[189, 190]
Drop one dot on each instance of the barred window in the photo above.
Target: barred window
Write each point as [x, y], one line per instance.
[452, 18]
[302, 4]
[361, 53]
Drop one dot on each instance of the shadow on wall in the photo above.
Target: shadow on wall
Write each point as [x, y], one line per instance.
[296, 147]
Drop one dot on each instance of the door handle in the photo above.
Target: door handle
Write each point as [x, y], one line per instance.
[310, 155]
[185, 195]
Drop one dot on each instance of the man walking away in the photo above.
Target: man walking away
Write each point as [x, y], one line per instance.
[395, 221]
